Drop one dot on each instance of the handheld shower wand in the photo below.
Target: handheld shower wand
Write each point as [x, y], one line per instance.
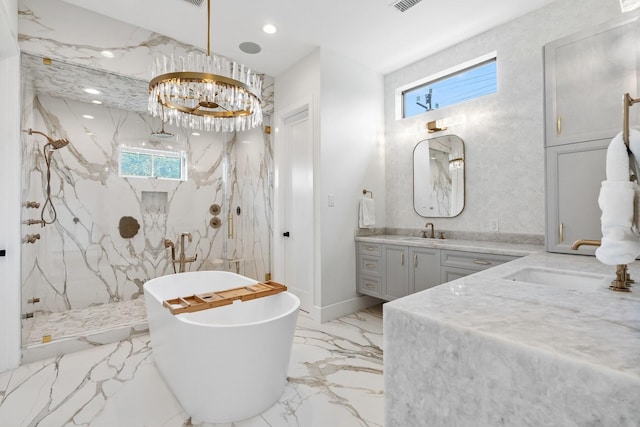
[48, 150]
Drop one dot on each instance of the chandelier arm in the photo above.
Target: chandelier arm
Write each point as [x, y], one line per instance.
[205, 113]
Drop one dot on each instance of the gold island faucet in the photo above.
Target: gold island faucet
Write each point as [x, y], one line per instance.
[623, 280]
[182, 260]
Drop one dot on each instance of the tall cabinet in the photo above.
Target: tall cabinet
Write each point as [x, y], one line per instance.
[586, 76]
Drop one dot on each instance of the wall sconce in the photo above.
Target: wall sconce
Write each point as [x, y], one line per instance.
[444, 123]
[433, 127]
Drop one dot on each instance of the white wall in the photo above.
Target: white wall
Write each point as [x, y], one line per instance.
[352, 159]
[347, 119]
[9, 191]
[503, 133]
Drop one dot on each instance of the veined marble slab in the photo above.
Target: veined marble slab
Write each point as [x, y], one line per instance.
[513, 353]
[335, 379]
[499, 248]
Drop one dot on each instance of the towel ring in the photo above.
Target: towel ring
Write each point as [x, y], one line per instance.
[367, 191]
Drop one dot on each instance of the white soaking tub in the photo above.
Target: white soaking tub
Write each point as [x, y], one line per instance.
[227, 363]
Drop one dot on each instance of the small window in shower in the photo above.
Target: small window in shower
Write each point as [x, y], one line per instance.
[145, 163]
[458, 84]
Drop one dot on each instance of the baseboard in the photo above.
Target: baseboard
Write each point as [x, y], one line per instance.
[342, 308]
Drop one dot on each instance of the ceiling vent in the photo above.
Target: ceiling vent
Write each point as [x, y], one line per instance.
[195, 2]
[402, 5]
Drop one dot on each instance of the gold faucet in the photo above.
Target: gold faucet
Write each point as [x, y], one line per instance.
[432, 234]
[623, 280]
[183, 260]
[579, 243]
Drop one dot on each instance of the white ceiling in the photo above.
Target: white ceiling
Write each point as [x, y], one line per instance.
[371, 32]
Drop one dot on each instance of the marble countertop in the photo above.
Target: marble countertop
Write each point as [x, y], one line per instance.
[598, 327]
[489, 247]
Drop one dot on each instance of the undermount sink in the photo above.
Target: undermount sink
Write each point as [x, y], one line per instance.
[564, 279]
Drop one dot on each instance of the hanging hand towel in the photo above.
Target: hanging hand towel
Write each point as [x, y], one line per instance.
[367, 217]
[617, 200]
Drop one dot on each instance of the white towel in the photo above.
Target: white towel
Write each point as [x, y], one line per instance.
[618, 200]
[619, 243]
[367, 217]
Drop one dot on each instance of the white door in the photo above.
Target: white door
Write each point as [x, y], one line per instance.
[295, 230]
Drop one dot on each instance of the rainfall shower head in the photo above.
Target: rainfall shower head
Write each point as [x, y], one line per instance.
[55, 144]
[162, 133]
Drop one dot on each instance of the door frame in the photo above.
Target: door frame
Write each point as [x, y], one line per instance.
[279, 214]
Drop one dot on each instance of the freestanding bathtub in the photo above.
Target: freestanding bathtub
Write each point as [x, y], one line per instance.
[227, 363]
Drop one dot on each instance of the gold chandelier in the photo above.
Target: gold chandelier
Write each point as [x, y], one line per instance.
[205, 92]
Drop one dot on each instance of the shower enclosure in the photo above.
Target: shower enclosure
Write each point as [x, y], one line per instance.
[82, 278]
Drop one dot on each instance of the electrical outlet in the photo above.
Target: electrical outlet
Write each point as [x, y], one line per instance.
[493, 224]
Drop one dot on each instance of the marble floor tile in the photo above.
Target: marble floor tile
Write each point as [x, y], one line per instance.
[335, 379]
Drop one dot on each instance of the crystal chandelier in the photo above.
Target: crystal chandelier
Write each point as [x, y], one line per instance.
[205, 92]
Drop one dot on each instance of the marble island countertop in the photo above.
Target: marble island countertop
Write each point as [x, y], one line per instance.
[572, 354]
[483, 246]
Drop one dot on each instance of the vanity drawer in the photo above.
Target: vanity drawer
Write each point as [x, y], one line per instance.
[472, 260]
[370, 286]
[370, 265]
[369, 249]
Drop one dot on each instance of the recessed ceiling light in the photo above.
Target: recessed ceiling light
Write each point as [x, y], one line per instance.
[195, 134]
[88, 116]
[107, 54]
[269, 29]
[95, 101]
[250, 47]
[92, 91]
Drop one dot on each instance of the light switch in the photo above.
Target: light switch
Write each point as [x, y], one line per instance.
[332, 200]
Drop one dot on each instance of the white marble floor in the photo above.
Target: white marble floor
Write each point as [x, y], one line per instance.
[335, 379]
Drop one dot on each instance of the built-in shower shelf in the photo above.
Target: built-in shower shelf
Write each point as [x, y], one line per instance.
[215, 299]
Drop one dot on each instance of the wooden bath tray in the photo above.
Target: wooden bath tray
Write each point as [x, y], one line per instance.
[215, 299]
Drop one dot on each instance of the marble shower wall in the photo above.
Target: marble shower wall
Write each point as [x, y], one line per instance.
[81, 259]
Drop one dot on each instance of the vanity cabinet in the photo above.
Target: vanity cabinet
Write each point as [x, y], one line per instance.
[395, 272]
[390, 271]
[424, 272]
[369, 259]
[586, 76]
[574, 176]
[457, 264]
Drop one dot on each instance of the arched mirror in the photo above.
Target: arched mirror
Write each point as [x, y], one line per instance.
[438, 177]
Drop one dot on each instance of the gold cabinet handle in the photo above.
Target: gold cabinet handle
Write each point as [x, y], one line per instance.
[369, 286]
[559, 125]
[561, 233]
[370, 248]
[402, 259]
[369, 265]
[415, 260]
[481, 262]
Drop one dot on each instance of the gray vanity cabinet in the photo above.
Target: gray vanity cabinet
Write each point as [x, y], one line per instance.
[586, 75]
[457, 264]
[574, 176]
[390, 271]
[424, 271]
[395, 271]
[369, 277]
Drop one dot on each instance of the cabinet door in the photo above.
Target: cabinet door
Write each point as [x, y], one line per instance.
[448, 274]
[574, 176]
[424, 270]
[396, 271]
[586, 76]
